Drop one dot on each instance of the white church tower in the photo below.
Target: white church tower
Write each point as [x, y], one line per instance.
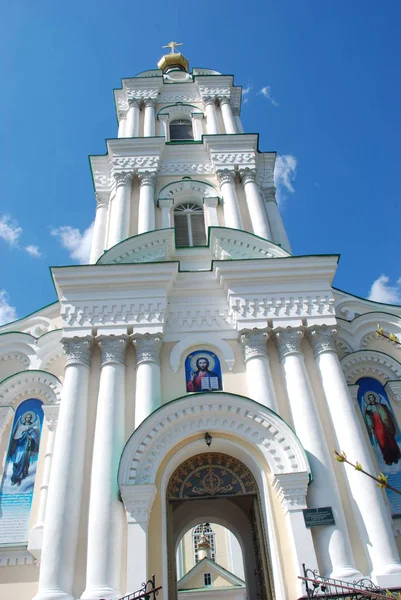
[196, 371]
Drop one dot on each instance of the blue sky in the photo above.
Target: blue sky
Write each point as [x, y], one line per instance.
[324, 91]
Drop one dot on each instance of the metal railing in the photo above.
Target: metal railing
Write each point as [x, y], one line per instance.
[317, 586]
[148, 591]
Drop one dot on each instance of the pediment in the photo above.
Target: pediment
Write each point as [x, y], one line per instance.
[223, 244]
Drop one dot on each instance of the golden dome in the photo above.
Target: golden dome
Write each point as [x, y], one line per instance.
[174, 59]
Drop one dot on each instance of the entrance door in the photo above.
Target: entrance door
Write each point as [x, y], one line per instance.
[216, 487]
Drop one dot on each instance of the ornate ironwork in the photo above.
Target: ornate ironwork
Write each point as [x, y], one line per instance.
[211, 474]
[317, 586]
[148, 591]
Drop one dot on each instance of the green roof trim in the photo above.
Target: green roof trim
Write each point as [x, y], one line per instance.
[26, 316]
[366, 299]
[30, 371]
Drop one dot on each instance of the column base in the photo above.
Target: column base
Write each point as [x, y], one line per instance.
[101, 591]
[53, 595]
[389, 577]
[346, 574]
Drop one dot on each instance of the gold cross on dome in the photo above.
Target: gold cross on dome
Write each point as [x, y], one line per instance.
[172, 45]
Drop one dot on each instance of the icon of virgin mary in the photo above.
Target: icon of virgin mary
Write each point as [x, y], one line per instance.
[382, 427]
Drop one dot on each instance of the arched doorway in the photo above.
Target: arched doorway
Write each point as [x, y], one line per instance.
[217, 487]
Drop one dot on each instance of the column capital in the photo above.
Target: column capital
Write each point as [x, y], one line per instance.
[322, 339]
[102, 199]
[134, 102]
[147, 178]
[138, 501]
[147, 347]
[254, 343]
[78, 350]
[288, 340]
[247, 175]
[197, 115]
[292, 489]
[112, 348]
[212, 202]
[224, 99]
[122, 177]
[209, 100]
[149, 102]
[51, 412]
[225, 176]
[269, 194]
[122, 114]
[394, 389]
[166, 202]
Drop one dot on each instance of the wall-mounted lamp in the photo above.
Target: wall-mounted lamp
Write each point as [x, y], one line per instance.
[208, 439]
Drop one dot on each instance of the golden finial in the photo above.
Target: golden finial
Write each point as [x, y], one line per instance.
[173, 46]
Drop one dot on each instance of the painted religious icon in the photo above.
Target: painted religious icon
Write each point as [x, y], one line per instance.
[384, 433]
[18, 481]
[203, 372]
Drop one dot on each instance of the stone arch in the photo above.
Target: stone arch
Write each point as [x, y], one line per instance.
[198, 339]
[40, 384]
[190, 190]
[370, 363]
[17, 346]
[179, 110]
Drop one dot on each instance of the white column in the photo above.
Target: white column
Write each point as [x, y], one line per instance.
[332, 543]
[238, 121]
[105, 528]
[99, 229]
[146, 210]
[165, 126]
[197, 126]
[148, 384]
[35, 541]
[166, 204]
[60, 535]
[278, 232]
[122, 123]
[371, 512]
[138, 501]
[292, 489]
[210, 211]
[232, 215]
[212, 124]
[120, 209]
[228, 118]
[132, 125]
[255, 203]
[258, 375]
[149, 126]
[6, 416]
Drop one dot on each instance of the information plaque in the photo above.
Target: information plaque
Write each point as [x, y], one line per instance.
[318, 517]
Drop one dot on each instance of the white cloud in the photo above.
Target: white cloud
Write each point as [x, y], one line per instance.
[245, 93]
[284, 175]
[33, 250]
[78, 244]
[383, 291]
[7, 312]
[9, 230]
[266, 93]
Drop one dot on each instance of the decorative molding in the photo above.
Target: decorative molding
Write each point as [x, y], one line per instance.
[372, 336]
[18, 356]
[181, 318]
[342, 346]
[154, 246]
[353, 392]
[112, 348]
[254, 343]
[148, 348]
[200, 339]
[51, 415]
[279, 306]
[185, 168]
[6, 416]
[231, 244]
[138, 501]
[15, 557]
[216, 412]
[393, 389]
[213, 92]
[179, 189]
[292, 490]
[233, 158]
[370, 363]
[30, 384]
[322, 339]
[289, 340]
[269, 194]
[144, 95]
[102, 199]
[78, 350]
[135, 162]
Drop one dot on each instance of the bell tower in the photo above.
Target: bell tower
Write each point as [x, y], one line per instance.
[183, 162]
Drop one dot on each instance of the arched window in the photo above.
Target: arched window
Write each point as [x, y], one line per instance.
[207, 531]
[181, 129]
[189, 225]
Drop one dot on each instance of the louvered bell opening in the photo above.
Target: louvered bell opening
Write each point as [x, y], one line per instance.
[181, 230]
[198, 229]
